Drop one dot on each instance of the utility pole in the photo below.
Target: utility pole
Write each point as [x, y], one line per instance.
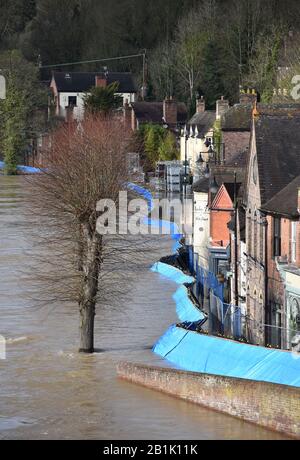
[144, 75]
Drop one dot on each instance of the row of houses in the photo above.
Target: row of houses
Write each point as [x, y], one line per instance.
[246, 165]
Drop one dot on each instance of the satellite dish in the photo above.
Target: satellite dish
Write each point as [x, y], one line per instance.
[2, 87]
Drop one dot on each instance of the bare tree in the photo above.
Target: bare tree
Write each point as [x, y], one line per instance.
[193, 33]
[85, 164]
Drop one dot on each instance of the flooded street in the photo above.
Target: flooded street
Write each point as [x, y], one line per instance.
[48, 391]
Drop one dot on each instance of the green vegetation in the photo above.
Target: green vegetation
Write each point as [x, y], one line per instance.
[21, 113]
[158, 144]
[13, 133]
[103, 99]
[167, 150]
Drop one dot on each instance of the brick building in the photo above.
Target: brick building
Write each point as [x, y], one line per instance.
[273, 164]
[169, 113]
[282, 214]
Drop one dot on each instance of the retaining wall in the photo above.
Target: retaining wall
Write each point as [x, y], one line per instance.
[273, 406]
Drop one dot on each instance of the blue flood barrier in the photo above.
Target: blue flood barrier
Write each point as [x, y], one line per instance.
[142, 192]
[186, 310]
[166, 227]
[210, 355]
[172, 273]
[23, 169]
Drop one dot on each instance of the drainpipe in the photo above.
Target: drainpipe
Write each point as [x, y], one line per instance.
[266, 225]
[236, 250]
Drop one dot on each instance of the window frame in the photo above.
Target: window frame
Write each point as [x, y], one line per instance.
[277, 237]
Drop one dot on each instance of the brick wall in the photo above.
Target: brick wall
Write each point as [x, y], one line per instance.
[276, 407]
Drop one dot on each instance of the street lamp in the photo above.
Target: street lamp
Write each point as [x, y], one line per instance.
[186, 137]
[214, 186]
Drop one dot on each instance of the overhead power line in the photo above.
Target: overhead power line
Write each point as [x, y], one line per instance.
[66, 64]
[118, 58]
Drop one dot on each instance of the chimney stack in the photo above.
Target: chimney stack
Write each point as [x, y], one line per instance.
[222, 107]
[170, 111]
[248, 97]
[101, 82]
[200, 105]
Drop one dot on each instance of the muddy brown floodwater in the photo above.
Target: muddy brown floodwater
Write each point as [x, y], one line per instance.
[48, 391]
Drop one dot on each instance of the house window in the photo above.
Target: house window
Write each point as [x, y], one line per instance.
[72, 101]
[276, 237]
[294, 242]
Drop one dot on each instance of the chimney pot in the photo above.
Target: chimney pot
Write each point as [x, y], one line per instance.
[249, 97]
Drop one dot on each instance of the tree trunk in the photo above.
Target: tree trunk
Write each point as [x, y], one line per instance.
[87, 320]
[87, 305]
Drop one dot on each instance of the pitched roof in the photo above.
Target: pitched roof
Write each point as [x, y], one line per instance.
[239, 160]
[237, 118]
[204, 122]
[285, 202]
[79, 82]
[278, 153]
[153, 112]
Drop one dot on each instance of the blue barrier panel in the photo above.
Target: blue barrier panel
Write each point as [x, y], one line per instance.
[172, 273]
[23, 169]
[199, 353]
[185, 308]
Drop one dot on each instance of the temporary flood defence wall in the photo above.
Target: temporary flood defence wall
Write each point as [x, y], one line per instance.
[23, 169]
[210, 355]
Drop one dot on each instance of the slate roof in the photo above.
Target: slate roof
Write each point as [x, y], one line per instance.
[278, 153]
[153, 112]
[237, 118]
[285, 202]
[225, 177]
[80, 82]
[204, 122]
[239, 160]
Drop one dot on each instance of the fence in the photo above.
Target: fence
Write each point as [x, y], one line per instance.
[224, 319]
[232, 321]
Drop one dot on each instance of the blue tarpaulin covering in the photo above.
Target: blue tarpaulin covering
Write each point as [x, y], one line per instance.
[211, 355]
[142, 192]
[166, 227]
[172, 273]
[185, 308]
[23, 169]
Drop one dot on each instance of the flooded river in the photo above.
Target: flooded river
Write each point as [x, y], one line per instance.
[48, 391]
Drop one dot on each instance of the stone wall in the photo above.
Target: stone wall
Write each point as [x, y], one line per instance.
[276, 407]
